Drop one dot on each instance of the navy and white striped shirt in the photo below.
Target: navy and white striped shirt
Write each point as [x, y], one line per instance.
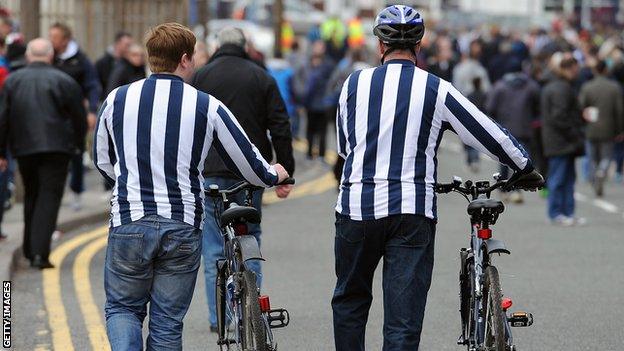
[152, 138]
[390, 122]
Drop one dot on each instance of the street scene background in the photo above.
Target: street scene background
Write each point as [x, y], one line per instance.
[567, 272]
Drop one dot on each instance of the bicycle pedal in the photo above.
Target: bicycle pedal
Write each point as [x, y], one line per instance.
[520, 319]
[278, 318]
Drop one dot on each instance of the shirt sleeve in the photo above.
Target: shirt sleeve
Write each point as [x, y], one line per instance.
[236, 150]
[474, 128]
[103, 150]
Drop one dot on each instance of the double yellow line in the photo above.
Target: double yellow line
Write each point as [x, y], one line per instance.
[57, 317]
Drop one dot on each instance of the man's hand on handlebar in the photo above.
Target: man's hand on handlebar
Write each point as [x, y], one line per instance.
[282, 191]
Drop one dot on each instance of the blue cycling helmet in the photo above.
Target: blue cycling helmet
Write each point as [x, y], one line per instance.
[399, 26]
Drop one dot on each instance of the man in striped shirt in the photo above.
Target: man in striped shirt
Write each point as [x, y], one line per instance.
[390, 122]
[151, 141]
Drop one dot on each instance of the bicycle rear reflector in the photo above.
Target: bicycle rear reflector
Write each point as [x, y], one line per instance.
[265, 304]
[506, 303]
[485, 233]
[240, 229]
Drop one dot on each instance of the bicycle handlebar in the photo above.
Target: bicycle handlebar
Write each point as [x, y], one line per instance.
[214, 191]
[530, 181]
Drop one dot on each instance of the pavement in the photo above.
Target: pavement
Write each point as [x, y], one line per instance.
[95, 207]
[570, 278]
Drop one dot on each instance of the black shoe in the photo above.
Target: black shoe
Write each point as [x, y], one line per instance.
[213, 329]
[39, 262]
[3, 236]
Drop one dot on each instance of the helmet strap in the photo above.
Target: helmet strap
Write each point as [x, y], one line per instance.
[391, 49]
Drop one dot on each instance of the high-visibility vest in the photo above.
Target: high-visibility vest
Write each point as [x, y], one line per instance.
[356, 33]
[287, 37]
[333, 30]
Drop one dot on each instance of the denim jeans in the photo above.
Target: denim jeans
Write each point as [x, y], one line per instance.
[212, 248]
[406, 244]
[153, 260]
[618, 157]
[560, 182]
[76, 179]
[472, 154]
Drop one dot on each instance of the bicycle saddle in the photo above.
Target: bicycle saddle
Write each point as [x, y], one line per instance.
[236, 213]
[493, 206]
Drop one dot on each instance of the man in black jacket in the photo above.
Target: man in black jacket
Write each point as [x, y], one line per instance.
[71, 60]
[563, 139]
[42, 119]
[253, 97]
[106, 64]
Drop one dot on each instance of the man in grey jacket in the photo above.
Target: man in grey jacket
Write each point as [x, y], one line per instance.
[602, 101]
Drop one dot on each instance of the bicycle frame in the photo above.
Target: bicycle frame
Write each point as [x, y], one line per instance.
[237, 250]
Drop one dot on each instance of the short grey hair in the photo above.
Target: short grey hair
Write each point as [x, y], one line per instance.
[39, 49]
[231, 35]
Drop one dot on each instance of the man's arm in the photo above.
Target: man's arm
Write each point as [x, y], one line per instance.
[103, 150]
[91, 85]
[279, 127]
[237, 151]
[477, 130]
[341, 121]
[76, 111]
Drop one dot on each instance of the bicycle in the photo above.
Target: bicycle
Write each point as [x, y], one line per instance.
[485, 323]
[237, 295]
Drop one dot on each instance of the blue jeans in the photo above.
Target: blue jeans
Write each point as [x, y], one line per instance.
[406, 244]
[153, 260]
[560, 182]
[618, 157]
[212, 248]
[76, 179]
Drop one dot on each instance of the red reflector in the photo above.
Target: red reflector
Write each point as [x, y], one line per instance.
[506, 303]
[484, 233]
[265, 304]
[240, 229]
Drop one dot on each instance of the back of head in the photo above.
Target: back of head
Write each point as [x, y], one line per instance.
[232, 36]
[601, 68]
[166, 44]
[39, 50]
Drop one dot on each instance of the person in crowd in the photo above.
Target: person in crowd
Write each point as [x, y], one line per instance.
[71, 60]
[563, 139]
[254, 98]
[514, 103]
[42, 120]
[316, 73]
[129, 69]
[14, 41]
[444, 62]
[464, 75]
[386, 205]
[283, 74]
[477, 96]
[106, 64]
[154, 248]
[603, 109]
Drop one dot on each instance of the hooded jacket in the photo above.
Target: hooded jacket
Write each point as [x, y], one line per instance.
[514, 103]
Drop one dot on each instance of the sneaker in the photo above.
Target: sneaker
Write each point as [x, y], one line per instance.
[516, 197]
[76, 203]
[562, 221]
[578, 221]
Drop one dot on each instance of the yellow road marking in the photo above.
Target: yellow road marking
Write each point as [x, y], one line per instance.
[57, 318]
[314, 187]
[93, 322]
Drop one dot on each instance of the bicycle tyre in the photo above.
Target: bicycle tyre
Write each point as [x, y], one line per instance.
[252, 328]
[494, 314]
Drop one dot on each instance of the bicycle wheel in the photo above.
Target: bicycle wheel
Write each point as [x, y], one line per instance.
[494, 314]
[253, 334]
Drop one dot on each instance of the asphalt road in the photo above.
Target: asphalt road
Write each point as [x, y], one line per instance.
[571, 279]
